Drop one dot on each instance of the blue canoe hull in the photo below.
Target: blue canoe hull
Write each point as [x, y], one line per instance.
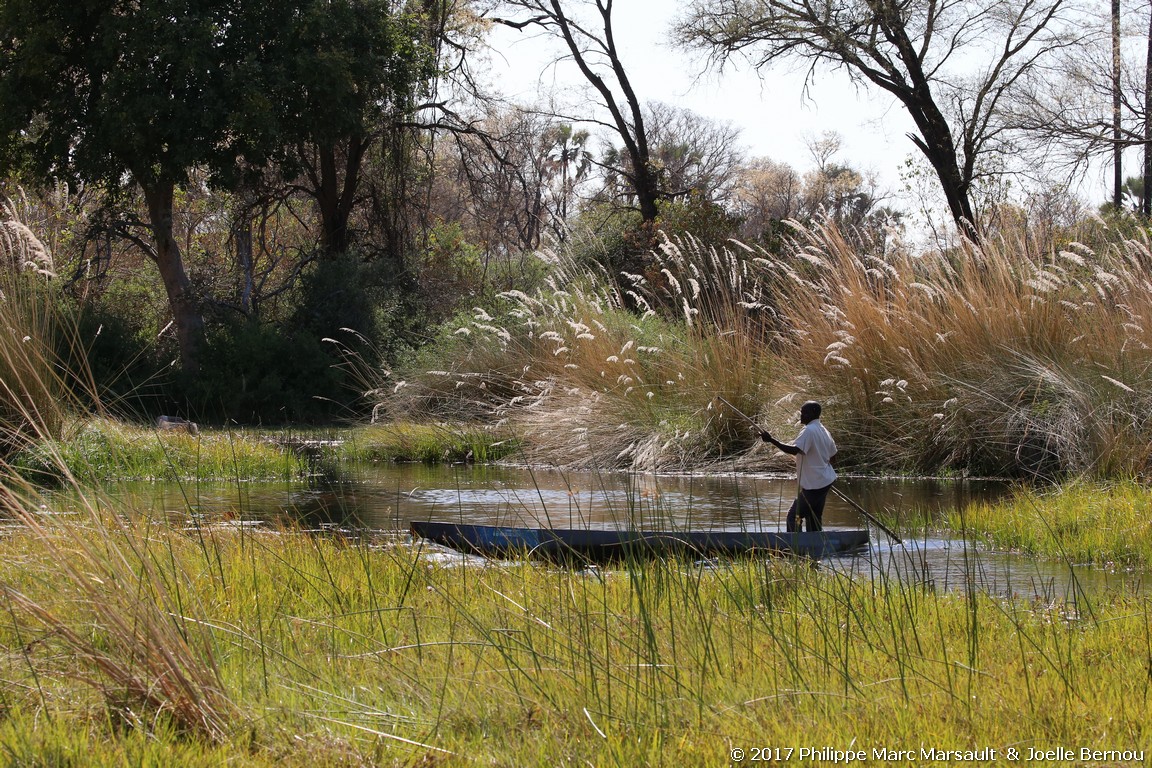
[598, 545]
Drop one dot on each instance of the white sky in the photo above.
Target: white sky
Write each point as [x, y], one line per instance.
[775, 114]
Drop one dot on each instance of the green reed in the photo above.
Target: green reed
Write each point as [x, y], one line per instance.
[368, 651]
[1081, 522]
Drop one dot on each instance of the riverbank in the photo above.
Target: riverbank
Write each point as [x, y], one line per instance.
[225, 644]
[1082, 522]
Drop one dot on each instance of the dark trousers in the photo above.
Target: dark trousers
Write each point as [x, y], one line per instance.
[809, 507]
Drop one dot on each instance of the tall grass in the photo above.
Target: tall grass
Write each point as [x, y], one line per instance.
[343, 653]
[988, 359]
[998, 359]
[96, 588]
[33, 393]
[590, 373]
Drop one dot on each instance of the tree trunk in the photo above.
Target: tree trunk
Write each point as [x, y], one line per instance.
[647, 192]
[336, 193]
[1117, 147]
[935, 141]
[186, 315]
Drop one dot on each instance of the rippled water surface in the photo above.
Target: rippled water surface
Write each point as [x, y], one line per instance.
[386, 498]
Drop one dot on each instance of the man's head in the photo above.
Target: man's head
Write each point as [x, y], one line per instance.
[809, 412]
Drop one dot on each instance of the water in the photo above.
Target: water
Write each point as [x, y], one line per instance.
[384, 499]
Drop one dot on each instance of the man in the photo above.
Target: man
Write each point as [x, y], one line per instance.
[814, 450]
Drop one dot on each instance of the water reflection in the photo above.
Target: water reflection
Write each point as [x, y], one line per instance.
[386, 498]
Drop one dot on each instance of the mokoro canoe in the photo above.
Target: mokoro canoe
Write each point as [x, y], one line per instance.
[600, 545]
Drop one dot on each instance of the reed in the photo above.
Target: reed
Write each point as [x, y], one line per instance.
[997, 359]
[593, 371]
[1003, 359]
[34, 396]
[342, 652]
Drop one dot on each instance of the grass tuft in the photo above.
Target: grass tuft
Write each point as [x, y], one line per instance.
[96, 450]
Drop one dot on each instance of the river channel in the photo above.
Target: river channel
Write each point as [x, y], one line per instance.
[382, 500]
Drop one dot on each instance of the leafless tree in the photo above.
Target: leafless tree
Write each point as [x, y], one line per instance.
[952, 64]
[767, 193]
[511, 182]
[1090, 105]
[586, 30]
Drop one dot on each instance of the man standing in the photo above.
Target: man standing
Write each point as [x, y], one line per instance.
[814, 450]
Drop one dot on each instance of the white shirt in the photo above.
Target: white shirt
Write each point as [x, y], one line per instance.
[813, 463]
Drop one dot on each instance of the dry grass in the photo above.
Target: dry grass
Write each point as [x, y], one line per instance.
[990, 360]
[32, 391]
[105, 594]
[123, 616]
[1003, 359]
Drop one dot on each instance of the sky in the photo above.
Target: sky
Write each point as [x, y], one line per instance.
[776, 111]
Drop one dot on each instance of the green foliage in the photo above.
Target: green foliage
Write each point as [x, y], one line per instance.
[158, 88]
[324, 71]
[694, 216]
[301, 647]
[141, 85]
[349, 316]
[256, 373]
[95, 451]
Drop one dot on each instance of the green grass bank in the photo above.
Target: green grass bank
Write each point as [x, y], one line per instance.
[1105, 524]
[130, 642]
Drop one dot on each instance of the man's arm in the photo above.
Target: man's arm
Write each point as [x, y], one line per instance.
[791, 450]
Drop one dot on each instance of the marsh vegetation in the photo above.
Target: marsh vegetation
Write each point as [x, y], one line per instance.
[348, 269]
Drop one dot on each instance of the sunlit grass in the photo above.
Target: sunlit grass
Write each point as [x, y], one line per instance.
[98, 450]
[993, 360]
[589, 373]
[1103, 524]
[355, 652]
[430, 443]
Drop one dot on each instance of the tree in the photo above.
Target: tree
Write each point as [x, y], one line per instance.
[767, 193]
[690, 155]
[137, 95]
[1090, 105]
[335, 77]
[120, 95]
[951, 64]
[1117, 111]
[511, 181]
[592, 47]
